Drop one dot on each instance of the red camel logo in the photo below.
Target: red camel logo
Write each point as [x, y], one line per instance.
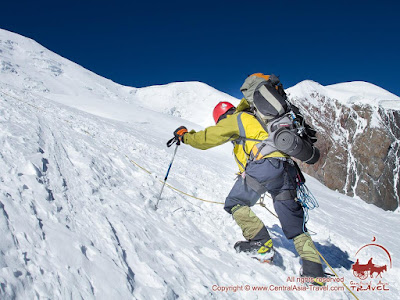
[362, 271]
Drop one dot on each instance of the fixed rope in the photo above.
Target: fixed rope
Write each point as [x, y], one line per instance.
[351, 292]
[261, 203]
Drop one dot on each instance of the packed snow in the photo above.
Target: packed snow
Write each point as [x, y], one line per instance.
[348, 93]
[82, 161]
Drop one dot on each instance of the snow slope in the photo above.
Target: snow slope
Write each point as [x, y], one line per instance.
[32, 68]
[76, 216]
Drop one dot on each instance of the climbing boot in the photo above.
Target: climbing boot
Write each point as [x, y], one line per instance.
[260, 247]
[312, 266]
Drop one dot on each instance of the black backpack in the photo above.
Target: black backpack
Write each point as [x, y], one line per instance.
[287, 130]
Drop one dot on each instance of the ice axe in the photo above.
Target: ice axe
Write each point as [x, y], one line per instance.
[169, 144]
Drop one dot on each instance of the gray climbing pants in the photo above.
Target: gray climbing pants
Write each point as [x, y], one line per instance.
[278, 177]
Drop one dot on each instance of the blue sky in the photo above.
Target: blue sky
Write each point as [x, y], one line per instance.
[140, 43]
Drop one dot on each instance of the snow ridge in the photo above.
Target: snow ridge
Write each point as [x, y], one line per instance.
[349, 93]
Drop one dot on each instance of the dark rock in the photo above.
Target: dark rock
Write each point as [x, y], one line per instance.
[360, 149]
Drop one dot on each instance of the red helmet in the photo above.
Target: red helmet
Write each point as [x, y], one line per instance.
[220, 109]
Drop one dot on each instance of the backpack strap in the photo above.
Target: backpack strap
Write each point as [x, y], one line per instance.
[242, 134]
[264, 147]
[242, 139]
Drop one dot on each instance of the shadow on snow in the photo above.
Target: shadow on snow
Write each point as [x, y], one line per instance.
[335, 256]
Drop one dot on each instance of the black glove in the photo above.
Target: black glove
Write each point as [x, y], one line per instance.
[180, 132]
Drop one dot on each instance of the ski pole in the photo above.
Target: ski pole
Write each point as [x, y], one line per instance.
[169, 144]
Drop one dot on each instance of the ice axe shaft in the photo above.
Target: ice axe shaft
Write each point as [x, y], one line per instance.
[169, 144]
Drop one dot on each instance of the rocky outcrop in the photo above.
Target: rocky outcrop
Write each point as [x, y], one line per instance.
[360, 148]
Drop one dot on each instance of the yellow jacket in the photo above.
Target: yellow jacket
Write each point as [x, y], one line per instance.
[227, 130]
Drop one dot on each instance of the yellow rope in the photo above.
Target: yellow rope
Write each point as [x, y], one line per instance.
[194, 197]
[136, 164]
[336, 274]
[323, 258]
[261, 203]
